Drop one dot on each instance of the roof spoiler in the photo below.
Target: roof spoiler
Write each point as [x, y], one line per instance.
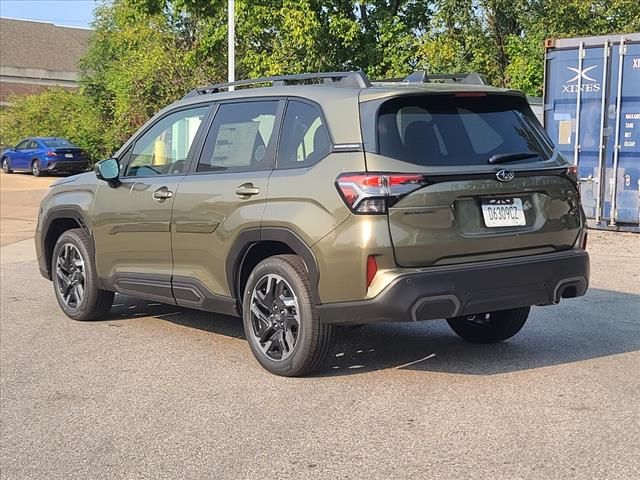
[421, 76]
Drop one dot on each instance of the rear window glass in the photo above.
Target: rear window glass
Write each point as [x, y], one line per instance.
[441, 130]
[58, 143]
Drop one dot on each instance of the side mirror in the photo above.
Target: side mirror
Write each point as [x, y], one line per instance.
[109, 171]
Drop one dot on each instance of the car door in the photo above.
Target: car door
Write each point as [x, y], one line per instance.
[131, 222]
[30, 153]
[18, 156]
[223, 195]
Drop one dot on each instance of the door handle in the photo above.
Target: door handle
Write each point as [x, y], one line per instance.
[162, 193]
[247, 190]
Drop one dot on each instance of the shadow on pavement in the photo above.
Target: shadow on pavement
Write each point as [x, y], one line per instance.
[601, 324]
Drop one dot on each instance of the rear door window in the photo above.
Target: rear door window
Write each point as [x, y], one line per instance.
[445, 130]
[240, 138]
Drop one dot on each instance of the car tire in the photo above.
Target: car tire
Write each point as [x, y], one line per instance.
[280, 317]
[490, 327]
[6, 165]
[35, 168]
[75, 283]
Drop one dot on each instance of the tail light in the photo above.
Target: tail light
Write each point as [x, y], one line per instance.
[374, 193]
[572, 174]
[52, 154]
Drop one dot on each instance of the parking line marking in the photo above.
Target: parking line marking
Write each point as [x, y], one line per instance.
[416, 361]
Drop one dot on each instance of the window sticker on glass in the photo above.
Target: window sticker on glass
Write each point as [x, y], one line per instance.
[232, 148]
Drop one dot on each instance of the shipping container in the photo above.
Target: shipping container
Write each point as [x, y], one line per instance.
[592, 113]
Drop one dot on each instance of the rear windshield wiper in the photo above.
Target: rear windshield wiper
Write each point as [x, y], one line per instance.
[509, 157]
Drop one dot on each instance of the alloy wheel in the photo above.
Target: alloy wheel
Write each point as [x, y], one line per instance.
[35, 168]
[275, 317]
[5, 165]
[70, 275]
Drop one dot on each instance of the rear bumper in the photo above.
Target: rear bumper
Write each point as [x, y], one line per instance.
[451, 291]
[62, 166]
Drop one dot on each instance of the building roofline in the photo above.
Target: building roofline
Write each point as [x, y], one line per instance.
[45, 22]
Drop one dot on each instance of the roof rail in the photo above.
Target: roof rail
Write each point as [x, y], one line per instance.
[351, 79]
[420, 76]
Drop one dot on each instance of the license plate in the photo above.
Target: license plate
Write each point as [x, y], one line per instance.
[68, 155]
[503, 212]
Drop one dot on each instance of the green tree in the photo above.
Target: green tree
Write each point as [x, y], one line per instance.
[504, 40]
[292, 36]
[542, 19]
[138, 62]
[145, 54]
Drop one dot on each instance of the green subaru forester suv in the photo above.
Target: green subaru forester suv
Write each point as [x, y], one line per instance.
[316, 200]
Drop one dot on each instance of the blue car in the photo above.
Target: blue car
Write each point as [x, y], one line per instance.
[40, 155]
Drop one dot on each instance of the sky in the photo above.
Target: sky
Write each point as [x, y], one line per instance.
[72, 13]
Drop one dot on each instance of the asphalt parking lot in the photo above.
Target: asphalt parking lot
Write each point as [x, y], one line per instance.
[20, 196]
[161, 392]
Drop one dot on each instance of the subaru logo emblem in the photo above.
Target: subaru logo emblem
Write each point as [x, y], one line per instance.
[505, 175]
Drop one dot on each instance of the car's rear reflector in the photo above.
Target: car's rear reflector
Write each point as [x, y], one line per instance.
[372, 269]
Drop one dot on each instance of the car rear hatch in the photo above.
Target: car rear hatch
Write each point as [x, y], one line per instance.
[469, 176]
[69, 154]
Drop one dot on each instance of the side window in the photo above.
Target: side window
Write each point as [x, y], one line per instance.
[33, 145]
[305, 138]
[22, 145]
[163, 149]
[240, 138]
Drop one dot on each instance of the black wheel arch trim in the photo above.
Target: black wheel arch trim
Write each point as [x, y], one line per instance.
[253, 236]
[56, 213]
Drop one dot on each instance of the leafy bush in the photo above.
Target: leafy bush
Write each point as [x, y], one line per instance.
[54, 113]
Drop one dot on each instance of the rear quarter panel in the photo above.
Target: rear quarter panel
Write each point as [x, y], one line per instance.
[306, 201]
